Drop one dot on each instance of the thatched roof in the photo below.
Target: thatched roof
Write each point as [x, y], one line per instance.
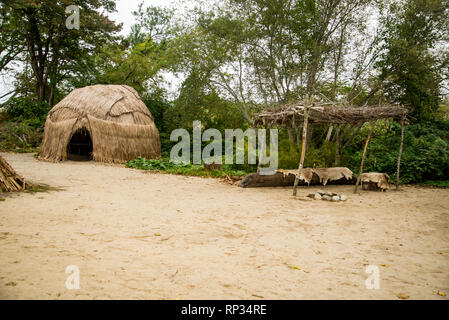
[119, 123]
[328, 113]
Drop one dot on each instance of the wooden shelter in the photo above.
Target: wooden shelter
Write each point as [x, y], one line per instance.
[108, 123]
[310, 112]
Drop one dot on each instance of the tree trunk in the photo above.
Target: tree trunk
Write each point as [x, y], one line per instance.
[363, 158]
[309, 135]
[329, 133]
[304, 145]
[262, 149]
[337, 147]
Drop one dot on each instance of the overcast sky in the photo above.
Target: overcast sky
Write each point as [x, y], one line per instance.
[126, 7]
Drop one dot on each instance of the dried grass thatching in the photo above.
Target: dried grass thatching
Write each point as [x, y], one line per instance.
[290, 115]
[120, 125]
[9, 179]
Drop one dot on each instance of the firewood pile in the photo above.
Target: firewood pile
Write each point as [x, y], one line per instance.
[9, 179]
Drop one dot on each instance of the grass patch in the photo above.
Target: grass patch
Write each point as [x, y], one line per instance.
[36, 188]
[438, 184]
[183, 169]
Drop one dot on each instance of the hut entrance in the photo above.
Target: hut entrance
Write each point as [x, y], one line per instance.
[80, 146]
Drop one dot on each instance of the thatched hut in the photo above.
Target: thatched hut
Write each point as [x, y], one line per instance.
[108, 123]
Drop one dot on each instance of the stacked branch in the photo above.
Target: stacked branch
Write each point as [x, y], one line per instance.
[328, 113]
[9, 179]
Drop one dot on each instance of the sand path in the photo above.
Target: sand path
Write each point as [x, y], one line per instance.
[139, 235]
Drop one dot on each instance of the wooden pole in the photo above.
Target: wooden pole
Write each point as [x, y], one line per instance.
[337, 146]
[304, 144]
[400, 152]
[263, 148]
[363, 157]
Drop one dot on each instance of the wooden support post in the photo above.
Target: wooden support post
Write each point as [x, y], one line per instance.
[263, 149]
[337, 146]
[363, 157]
[329, 133]
[400, 152]
[303, 150]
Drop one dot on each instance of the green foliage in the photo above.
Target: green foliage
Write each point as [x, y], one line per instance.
[158, 106]
[29, 110]
[153, 164]
[438, 184]
[20, 137]
[57, 53]
[138, 59]
[289, 154]
[425, 154]
[165, 165]
[210, 109]
[317, 156]
[11, 44]
[320, 156]
[24, 127]
[414, 61]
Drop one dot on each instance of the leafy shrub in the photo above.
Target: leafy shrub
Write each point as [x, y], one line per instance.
[184, 169]
[24, 127]
[27, 109]
[316, 157]
[438, 184]
[289, 153]
[20, 137]
[425, 154]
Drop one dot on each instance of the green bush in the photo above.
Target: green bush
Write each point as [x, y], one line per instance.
[20, 137]
[316, 157]
[438, 184]
[425, 154]
[23, 129]
[27, 109]
[289, 154]
[184, 169]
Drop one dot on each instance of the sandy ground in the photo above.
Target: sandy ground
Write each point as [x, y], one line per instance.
[139, 235]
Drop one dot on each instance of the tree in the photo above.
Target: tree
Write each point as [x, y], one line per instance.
[415, 54]
[10, 44]
[53, 51]
[137, 59]
[269, 52]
